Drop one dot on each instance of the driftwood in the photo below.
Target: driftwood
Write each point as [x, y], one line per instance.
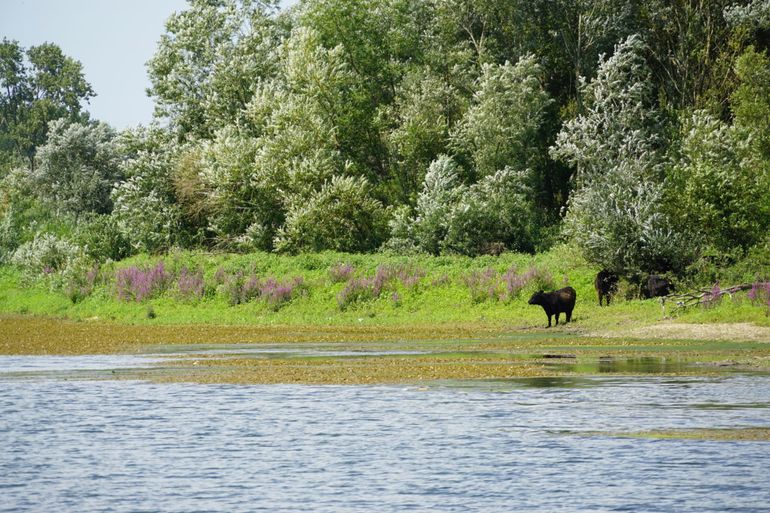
[703, 296]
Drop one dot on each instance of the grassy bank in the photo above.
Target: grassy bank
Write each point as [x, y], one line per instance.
[333, 289]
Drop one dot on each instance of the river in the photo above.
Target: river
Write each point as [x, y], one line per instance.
[74, 443]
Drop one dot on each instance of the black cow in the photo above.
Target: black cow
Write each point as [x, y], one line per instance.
[657, 286]
[554, 303]
[606, 284]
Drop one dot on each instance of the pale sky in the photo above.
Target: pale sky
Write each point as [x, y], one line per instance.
[113, 39]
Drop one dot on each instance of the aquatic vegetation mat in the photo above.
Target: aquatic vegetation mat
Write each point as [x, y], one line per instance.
[749, 434]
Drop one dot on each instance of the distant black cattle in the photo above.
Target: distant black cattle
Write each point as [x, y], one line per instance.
[657, 286]
[554, 303]
[606, 284]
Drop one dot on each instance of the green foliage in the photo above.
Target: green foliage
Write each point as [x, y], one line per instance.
[45, 254]
[101, 238]
[421, 116]
[619, 124]
[452, 217]
[37, 86]
[719, 191]
[455, 124]
[208, 62]
[621, 224]
[502, 127]
[146, 212]
[342, 216]
[77, 168]
[496, 211]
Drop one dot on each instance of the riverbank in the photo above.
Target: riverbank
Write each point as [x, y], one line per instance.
[337, 289]
[446, 317]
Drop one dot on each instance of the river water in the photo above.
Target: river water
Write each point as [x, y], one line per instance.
[91, 445]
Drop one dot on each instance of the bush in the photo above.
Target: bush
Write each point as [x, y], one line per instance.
[340, 272]
[494, 214]
[76, 169]
[101, 238]
[489, 285]
[190, 284]
[385, 277]
[46, 254]
[276, 293]
[342, 216]
[136, 284]
[621, 224]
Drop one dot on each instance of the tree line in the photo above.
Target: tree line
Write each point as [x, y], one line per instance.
[638, 130]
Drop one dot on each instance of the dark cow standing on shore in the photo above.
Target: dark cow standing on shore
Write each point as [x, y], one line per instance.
[657, 286]
[606, 284]
[554, 303]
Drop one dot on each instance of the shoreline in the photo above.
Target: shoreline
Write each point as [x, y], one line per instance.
[377, 354]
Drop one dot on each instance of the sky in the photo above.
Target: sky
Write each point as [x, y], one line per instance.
[113, 39]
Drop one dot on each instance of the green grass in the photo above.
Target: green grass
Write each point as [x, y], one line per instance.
[441, 296]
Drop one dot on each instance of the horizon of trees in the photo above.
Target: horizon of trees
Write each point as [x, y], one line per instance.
[639, 131]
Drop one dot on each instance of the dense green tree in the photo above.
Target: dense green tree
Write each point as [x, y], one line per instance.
[37, 86]
[341, 216]
[209, 61]
[621, 223]
[77, 168]
[503, 125]
[619, 123]
[146, 210]
[417, 127]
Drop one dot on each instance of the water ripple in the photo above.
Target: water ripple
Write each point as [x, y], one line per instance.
[94, 446]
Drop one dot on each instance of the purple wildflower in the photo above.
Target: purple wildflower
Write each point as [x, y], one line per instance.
[190, 284]
[341, 272]
[134, 284]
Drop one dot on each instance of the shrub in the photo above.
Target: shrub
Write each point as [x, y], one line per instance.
[276, 293]
[101, 239]
[190, 284]
[340, 272]
[451, 217]
[760, 294]
[620, 222]
[357, 290]
[342, 216]
[45, 254]
[386, 276]
[135, 284]
[483, 285]
[489, 285]
[80, 282]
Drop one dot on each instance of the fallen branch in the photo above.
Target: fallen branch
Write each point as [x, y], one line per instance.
[704, 296]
